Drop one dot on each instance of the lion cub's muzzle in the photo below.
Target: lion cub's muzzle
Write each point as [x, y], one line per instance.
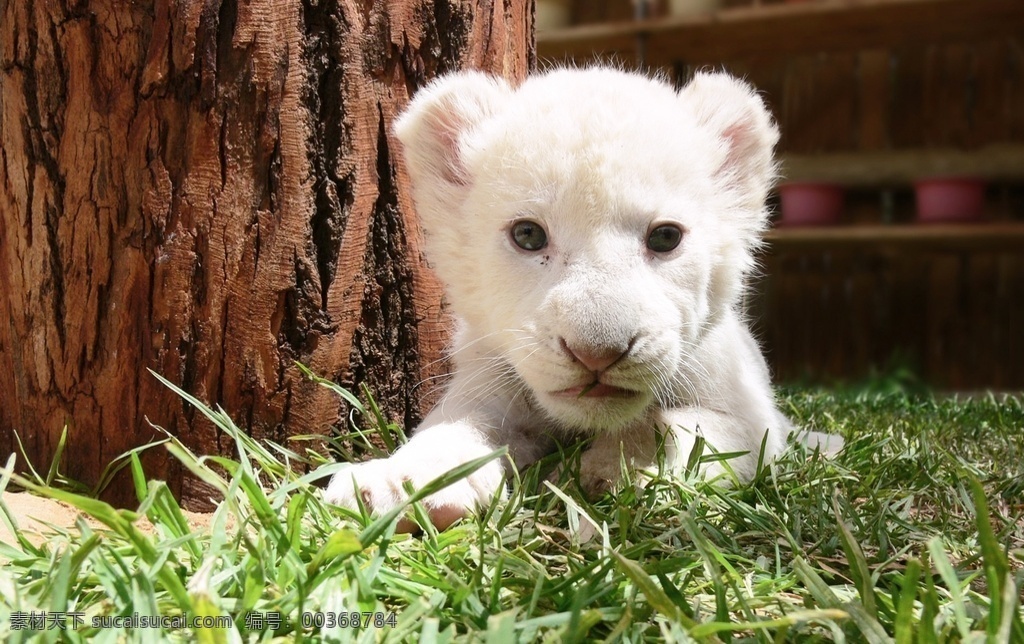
[596, 359]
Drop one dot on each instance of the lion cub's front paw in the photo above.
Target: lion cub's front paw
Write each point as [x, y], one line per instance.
[381, 484]
[598, 473]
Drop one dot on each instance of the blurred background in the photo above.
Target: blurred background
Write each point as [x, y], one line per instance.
[897, 249]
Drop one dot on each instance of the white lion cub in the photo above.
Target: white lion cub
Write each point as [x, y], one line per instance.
[594, 229]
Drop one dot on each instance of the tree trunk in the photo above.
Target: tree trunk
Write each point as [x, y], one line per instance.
[209, 189]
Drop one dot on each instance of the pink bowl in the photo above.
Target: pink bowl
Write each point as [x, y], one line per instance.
[810, 204]
[946, 199]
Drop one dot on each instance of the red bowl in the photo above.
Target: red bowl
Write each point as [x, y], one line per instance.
[810, 204]
[948, 199]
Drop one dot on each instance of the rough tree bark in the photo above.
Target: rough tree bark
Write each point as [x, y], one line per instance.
[210, 189]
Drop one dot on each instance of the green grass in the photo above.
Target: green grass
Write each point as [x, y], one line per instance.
[912, 534]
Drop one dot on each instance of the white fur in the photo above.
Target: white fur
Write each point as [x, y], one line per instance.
[597, 157]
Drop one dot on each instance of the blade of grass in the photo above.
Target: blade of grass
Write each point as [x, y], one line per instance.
[1010, 628]
[929, 608]
[501, 628]
[869, 627]
[656, 597]
[941, 562]
[694, 457]
[997, 569]
[711, 560]
[903, 626]
[816, 586]
[197, 467]
[119, 463]
[383, 427]
[58, 452]
[345, 394]
[859, 569]
[818, 616]
[138, 477]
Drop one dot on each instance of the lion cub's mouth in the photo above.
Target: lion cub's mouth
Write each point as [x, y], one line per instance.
[596, 390]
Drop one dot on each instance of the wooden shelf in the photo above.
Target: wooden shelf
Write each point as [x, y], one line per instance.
[787, 29]
[1002, 162]
[961, 237]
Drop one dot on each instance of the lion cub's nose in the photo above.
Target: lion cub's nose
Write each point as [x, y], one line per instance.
[595, 358]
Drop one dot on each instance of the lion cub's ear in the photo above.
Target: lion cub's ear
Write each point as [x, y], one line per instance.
[433, 131]
[734, 112]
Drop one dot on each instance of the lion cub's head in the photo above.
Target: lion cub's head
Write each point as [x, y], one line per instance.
[591, 225]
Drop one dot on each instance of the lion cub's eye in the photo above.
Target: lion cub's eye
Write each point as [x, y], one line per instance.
[664, 238]
[529, 235]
